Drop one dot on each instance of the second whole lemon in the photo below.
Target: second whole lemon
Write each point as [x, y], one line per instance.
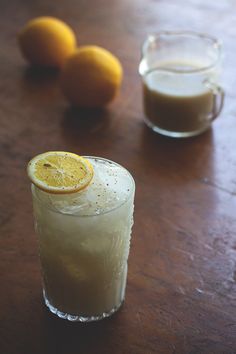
[91, 77]
[46, 41]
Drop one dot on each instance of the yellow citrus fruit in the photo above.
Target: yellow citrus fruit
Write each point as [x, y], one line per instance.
[60, 172]
[46, 41]
[91, 77]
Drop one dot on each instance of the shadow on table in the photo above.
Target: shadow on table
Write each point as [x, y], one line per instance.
[175, 153]
[62, 336]
[151, 142]
[40, 82]
[85, 123]
[40, 75]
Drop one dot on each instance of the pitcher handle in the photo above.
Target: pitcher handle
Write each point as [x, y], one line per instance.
[218, 98]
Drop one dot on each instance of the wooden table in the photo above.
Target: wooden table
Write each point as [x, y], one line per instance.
[181, 293]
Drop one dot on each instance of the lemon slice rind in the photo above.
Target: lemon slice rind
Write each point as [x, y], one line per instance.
[60, 172]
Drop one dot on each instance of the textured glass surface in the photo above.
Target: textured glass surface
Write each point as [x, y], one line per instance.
[84, 257]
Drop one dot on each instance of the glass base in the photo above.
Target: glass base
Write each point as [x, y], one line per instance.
[175, 134]
[76, 318]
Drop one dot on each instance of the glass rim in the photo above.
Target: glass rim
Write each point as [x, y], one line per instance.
[132, 189]
[215, 43]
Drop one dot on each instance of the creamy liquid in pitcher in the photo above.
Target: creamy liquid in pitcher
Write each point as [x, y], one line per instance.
[178, 102]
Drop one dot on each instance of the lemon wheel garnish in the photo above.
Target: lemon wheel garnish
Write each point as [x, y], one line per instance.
[60, 172]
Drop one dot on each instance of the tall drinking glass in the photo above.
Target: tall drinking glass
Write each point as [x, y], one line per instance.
[84, 241]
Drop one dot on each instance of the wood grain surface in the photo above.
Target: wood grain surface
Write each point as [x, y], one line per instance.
[181, 292]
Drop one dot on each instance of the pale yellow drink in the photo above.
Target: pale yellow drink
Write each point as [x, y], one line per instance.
[84, 241]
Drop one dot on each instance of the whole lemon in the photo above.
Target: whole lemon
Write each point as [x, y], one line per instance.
[91, 77]
[46, 41]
